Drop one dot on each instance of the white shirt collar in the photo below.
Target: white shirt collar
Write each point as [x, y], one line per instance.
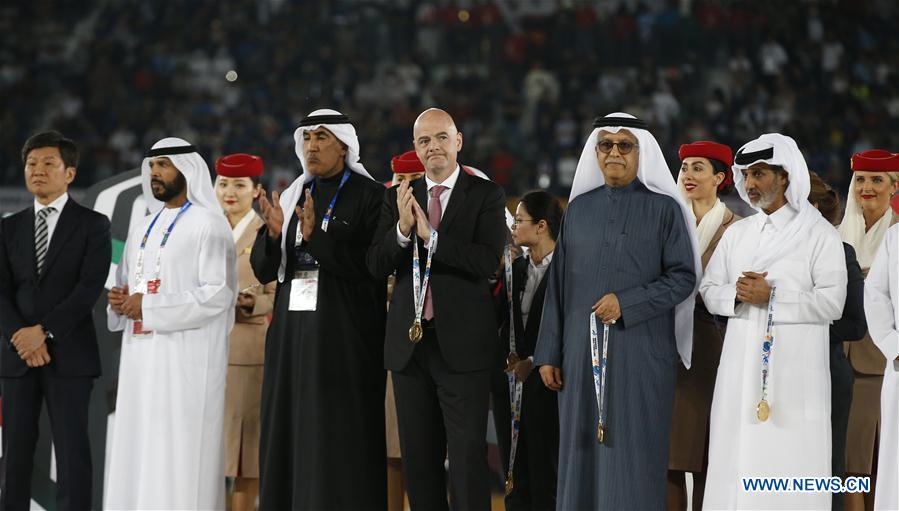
[779, 219]
[449, 182]
[543, 262]
[59, 203]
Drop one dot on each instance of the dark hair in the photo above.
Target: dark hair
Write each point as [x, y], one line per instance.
[825, 197]
[542, 205]
[719, 166]
[67, 148]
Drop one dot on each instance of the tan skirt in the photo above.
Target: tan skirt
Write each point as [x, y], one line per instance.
[243, 396]
[393, 430]
[864, 424]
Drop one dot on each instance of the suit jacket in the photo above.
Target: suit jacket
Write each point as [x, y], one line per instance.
[472, 234]
[864, 356]
[525, 334]
[62, 299]
[248, 336]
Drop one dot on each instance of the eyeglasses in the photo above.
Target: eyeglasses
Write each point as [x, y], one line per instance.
[516, 221]
[624, 147]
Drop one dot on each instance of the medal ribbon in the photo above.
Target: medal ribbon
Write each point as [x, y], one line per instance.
[515, 385]
[507, 255]
[419, 284]
[327, 219]
[767, 345]
[139, 267]
[600, 361]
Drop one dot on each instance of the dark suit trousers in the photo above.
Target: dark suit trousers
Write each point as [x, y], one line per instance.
[841, 380]
[67, 401]
[537, 455]
[440, 410]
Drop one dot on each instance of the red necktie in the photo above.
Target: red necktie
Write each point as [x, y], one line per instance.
[434, 213]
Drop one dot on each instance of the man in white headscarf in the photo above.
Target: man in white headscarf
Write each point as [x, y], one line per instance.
[882, 311]
[322, 443]
[626, 259]
[780, 278]
[173, 297]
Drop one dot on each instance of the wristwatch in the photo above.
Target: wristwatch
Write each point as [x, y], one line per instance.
[48, 334]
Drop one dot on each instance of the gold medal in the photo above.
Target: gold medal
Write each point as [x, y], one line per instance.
[600, 433]
[509, 486]
[763, 411]
[415, 331]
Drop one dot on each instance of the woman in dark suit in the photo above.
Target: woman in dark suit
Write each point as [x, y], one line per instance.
[538, 218]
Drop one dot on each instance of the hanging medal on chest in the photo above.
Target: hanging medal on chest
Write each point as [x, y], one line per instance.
[763, 409]
[420, 285]
[146, 286]
[516, 386]
[599, 355]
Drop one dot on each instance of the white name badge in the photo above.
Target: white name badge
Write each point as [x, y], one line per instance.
[304, 291]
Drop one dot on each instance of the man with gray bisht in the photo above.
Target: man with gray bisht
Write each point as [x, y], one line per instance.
[627, 257]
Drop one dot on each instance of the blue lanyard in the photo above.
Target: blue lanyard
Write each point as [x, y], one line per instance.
[165, 238]
[330, 211]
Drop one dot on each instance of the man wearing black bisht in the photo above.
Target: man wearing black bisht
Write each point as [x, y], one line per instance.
[322, 442]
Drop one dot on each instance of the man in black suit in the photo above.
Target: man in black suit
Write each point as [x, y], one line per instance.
[54, 260]
[441, 381]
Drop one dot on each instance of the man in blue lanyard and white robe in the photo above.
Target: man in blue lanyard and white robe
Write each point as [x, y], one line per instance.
[780, 272]
[174, 299]
[627, 256]
[322, 442]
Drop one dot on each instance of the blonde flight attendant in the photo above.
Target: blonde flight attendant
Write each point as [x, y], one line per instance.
[236, 187]
[875, 178]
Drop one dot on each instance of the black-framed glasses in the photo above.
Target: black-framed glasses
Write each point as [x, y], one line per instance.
[624, 147]
[516, 221]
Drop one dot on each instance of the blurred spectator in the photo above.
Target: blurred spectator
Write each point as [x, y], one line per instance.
[526, 77]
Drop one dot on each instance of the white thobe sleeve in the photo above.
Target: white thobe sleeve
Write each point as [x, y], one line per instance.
[880, 304]
[824, 303]
[718, 293]
[114, 321]
[214, 294]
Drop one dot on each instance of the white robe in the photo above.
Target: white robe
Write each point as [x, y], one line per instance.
[795, 441]
[167, 444]
[882, 312]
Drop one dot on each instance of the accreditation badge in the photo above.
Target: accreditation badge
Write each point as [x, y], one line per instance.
[143, 287]
[304, 290]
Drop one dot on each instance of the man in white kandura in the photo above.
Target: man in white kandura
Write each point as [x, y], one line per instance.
[780, 278]
[882, 312]
[174, 295]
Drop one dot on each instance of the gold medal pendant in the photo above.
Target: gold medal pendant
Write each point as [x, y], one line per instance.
[600, 433]
[509, 486]
[763, 411]
[415, 331]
